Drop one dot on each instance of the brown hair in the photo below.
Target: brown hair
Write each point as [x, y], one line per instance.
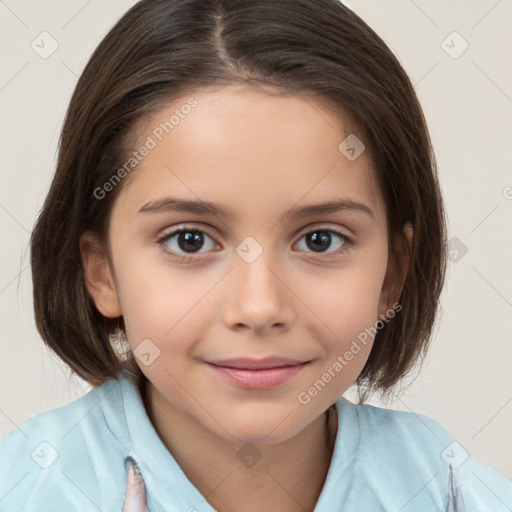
[163, 49]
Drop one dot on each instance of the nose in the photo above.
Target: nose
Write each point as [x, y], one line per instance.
[257, 297]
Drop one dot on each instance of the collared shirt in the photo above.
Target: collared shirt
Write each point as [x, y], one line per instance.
[72, 458]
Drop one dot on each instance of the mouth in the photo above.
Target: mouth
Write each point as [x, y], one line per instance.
[257, 374]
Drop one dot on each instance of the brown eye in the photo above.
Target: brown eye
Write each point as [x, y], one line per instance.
[186, 241]
[321, 240]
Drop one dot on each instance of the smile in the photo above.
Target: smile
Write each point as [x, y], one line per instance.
[265, 378]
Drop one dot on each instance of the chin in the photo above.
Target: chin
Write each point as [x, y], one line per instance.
[260, 427]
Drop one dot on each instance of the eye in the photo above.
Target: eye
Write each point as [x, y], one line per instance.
[189, 241]
[185, 240]
[322, 238]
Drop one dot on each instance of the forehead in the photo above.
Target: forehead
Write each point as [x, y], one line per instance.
[252, 151]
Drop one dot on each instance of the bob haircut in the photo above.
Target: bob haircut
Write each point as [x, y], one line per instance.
[163, 49]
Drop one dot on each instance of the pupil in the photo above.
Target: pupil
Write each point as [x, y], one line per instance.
[191, 241]
[320, 242]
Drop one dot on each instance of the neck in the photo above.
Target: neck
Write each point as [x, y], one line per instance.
[288, 477]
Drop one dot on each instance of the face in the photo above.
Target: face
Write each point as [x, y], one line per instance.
[250, 277]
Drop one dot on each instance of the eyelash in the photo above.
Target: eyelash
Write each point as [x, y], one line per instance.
[161, 241]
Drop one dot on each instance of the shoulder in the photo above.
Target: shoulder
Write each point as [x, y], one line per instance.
[401, 428]
[56, 452]
[405, 446]
[60, 422]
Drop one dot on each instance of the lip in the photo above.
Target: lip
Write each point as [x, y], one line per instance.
[257, 374]
[257, 364]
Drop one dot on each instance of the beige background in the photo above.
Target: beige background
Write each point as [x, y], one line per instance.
[466, 382]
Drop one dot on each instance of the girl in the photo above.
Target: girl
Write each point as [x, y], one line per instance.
[284, 141]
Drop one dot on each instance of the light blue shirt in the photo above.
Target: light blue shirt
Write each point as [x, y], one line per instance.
[72, 459]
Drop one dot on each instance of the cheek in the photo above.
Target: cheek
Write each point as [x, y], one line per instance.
[347, 309]
[347, 301]
[161, 304]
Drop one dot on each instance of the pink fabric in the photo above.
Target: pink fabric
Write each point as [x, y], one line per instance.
[135, 499]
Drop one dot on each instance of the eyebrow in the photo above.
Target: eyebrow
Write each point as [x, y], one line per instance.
[173, 204]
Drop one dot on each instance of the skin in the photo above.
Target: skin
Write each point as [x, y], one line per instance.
[258, 155]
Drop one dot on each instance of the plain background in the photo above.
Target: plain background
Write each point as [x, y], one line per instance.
[466, 381]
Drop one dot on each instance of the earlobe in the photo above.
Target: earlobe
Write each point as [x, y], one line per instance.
[395, 275]
[98, 277]
[404, 254]
[409, 233]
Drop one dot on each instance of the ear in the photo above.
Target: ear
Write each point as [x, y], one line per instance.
[393, 282]
[98, 276]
